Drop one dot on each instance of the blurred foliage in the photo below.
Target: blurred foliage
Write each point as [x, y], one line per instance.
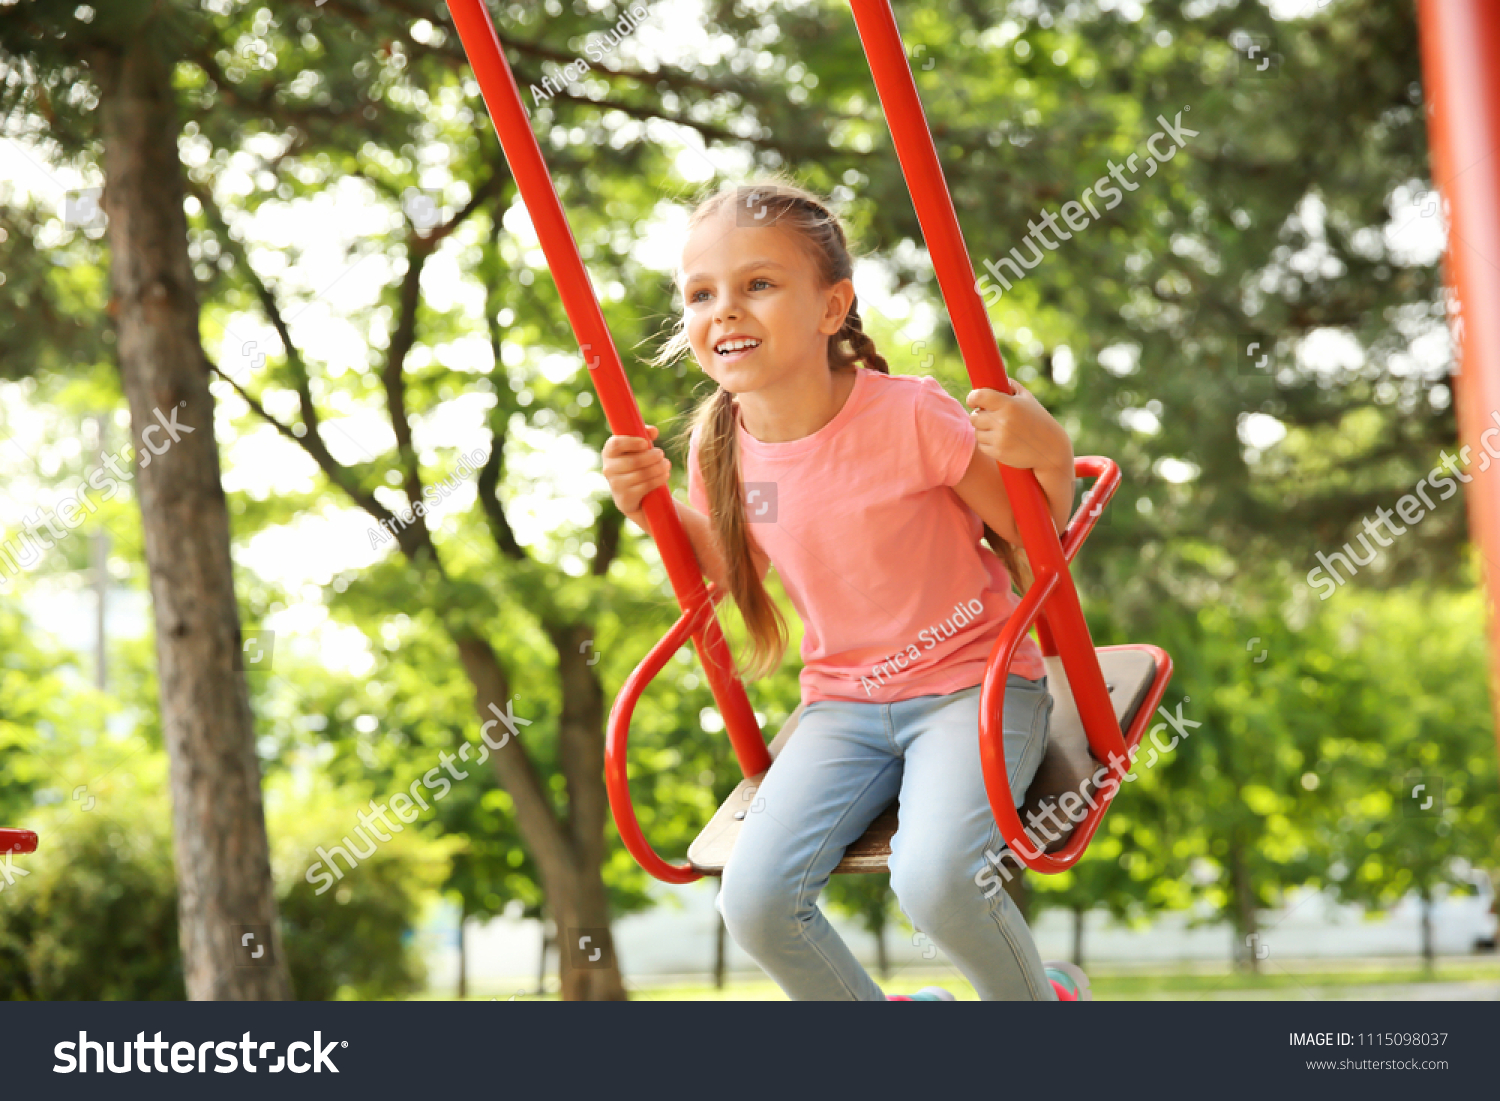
[93, 913]
[1286, 222]
[355, 939]
[1416, 727]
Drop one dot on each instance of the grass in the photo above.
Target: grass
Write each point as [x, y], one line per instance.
[1292, 979]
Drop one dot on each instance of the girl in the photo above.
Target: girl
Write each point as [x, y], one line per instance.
[868, 492]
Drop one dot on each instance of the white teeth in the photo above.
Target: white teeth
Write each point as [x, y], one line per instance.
[735, 345]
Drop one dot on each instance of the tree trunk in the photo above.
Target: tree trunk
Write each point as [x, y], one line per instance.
[882, 957]
[463, 957]
[99, 548]
[569, 857]
[1429, 956]
[1079, 913]
[541, 961]
[587, 964]
[584, 909]
[1247, 946]
[226, 900]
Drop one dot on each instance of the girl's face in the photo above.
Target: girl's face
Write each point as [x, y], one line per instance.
[756, 287]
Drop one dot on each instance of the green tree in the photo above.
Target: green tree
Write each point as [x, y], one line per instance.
[93, 915]
[126, 122]
[1411, 764]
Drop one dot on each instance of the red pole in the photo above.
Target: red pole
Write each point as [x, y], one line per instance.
[17, 841]
[503, 98]
[976, 340]
[1461, 79]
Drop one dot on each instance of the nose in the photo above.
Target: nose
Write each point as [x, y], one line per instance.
[728, 308]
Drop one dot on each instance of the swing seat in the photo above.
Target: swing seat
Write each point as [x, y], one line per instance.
[17, 841]
[1068, 765]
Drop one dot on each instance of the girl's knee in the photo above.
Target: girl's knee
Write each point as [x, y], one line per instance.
[757, 910]
[933, 892]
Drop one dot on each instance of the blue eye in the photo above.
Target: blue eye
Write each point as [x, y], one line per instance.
[696, 296]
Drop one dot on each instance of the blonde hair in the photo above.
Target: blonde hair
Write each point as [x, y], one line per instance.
[782, 203]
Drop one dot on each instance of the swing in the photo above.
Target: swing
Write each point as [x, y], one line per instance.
[17, 841]
[1103, 698]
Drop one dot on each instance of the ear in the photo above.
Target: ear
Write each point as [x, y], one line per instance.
[836, 302]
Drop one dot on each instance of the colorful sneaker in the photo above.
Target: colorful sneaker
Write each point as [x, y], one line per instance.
[926, 994]
[1069, 981]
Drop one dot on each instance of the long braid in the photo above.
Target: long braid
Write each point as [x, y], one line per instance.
[719, 464]
[861, 347]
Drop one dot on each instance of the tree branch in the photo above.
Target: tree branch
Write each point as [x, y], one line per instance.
[412, 538]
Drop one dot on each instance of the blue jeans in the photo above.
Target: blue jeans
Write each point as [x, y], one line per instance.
[842, 766]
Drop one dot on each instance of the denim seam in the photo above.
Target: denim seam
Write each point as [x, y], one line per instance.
[807, 869]
[890, 729]
[998, 903]
[1042, 717]
[1036, 745]
[1002, 897]
[1010, 939]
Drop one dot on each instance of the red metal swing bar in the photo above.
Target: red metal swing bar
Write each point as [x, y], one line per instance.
[17, 841]
[1051, 602]
[503, 98]
[1460, 42]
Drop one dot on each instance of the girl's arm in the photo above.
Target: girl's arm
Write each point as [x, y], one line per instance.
[700, 532]
[633, 467]
[1017, 431]
[983, 490]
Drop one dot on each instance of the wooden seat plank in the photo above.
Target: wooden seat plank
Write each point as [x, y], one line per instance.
[1067, 766]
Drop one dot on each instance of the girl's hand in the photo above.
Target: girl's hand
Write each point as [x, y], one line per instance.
[1017, 431]
[633, 468]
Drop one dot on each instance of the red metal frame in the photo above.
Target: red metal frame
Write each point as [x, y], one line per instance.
[17, 841]
[1052, 596]
[992, 694]
[503, 98]
[1052, 602]
[1461, 79]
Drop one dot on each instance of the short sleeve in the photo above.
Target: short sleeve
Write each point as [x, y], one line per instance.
[945, 435]
[697, 493]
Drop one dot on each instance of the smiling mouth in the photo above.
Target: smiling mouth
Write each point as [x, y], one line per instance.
[734, 349]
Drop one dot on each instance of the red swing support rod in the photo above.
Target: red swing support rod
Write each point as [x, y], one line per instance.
[17, 841]
[1460, 42]
[502, 96]
[1052, 602]
[1053, 598]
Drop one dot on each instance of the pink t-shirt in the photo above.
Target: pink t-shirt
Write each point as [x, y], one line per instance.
[882, 560]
